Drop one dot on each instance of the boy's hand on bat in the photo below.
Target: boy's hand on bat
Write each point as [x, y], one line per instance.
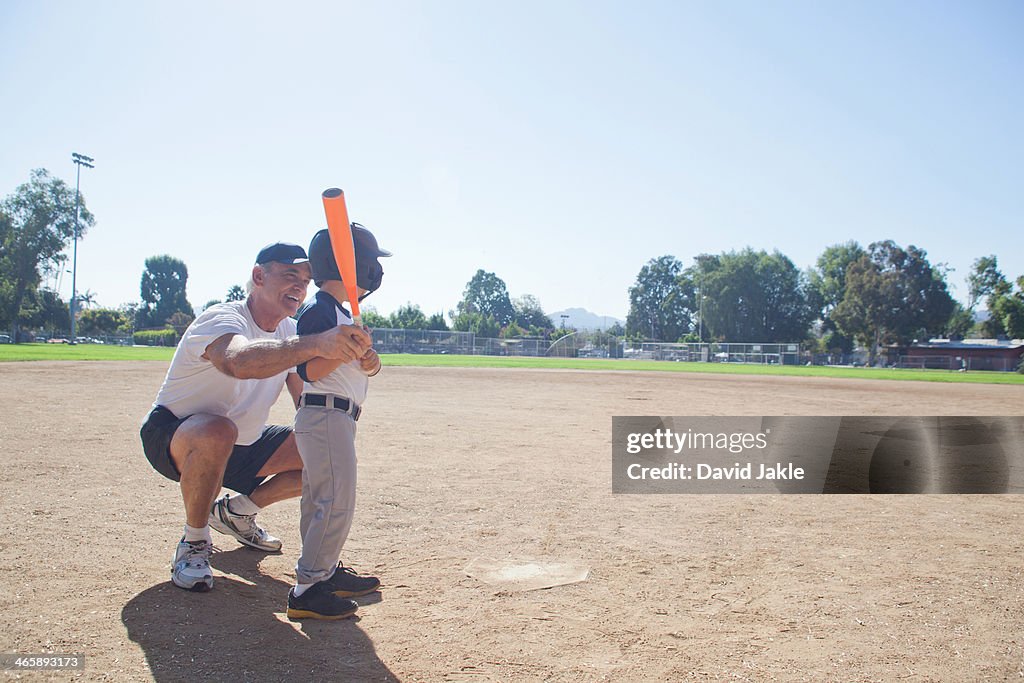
[370, 362]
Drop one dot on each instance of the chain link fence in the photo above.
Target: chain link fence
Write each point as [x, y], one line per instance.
[577, 345]
[462, 343]
[65, 338]
[582, 345]
[718, 352]
[940, 362]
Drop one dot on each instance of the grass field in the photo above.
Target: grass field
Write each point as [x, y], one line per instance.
[20, 352]
[714, 368]
[30, 352]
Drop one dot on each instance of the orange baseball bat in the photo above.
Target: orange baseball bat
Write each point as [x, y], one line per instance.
[340, 230]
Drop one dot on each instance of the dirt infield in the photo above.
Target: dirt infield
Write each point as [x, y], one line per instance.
[457, 464]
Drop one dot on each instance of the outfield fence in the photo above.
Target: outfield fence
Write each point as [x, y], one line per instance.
[721, 352]
[64, 338]
[467, 343]
[940, 362]
[423, 341]
[577, 345]
[596, 345]
[572, 345]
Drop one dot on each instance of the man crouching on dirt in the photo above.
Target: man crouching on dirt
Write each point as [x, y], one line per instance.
[208, 428]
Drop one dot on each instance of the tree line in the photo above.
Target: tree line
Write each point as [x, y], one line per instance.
[875, 295]
[37, 223]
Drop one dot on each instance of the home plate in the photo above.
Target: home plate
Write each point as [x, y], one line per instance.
[525, 575]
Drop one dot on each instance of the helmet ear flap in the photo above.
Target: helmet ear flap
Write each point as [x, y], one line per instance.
[370, 277]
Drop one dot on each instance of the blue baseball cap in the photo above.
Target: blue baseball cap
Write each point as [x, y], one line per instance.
[282, 252]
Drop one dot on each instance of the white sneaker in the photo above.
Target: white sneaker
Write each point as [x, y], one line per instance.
[242, 527]
[191, 567]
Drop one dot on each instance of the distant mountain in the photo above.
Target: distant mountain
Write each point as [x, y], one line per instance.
[582, 319]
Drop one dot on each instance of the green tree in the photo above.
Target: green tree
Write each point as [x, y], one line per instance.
[6, 270]
[86, 299]
[893, 295]
[1006, 308]
[828, 277]
[984, 280]
[39, 222]
[487, 295]
[236, 293]
[485, 326]
[44, 309]
[753, 296]
[511, 331]
[408, 317]
[560, 332]
[660, 301]
[923, 296]
[1010, 311]
[529, 313]
[826, 288]
[479, 324]
[437, 322]
[102, 321]
[163, 290]
[374, 320]
[865, 308]
[960, 322]
[6, 230]
[130, 311]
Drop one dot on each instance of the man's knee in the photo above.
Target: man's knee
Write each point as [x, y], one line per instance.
[209, 437]
[215, 432]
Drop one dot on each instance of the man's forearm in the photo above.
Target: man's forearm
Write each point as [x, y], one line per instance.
[244, 358]
[262, 358]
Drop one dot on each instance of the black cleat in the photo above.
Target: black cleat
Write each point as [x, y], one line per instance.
[347, 584]
[318, 602]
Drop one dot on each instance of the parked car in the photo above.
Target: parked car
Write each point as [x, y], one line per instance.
[5, 339]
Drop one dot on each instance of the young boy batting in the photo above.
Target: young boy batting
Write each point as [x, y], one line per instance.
[325, 432]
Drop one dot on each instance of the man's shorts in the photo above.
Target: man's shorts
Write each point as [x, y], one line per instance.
[243, 465]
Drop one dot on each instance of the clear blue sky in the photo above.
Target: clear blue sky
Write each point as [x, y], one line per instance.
[560, 145]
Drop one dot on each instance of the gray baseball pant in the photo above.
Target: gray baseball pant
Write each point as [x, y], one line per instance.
[326, 441]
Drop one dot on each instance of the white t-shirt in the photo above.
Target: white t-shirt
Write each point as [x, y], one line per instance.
[193, 385]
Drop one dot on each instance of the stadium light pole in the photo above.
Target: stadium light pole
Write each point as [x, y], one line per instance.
[700, 321]
[80, 160]
[700, 313]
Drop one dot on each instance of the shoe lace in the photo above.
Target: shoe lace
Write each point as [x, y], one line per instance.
[198, 553]
[247, 526]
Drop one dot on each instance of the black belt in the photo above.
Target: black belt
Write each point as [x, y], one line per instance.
[339, 403]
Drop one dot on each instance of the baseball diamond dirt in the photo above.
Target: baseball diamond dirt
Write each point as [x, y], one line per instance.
[460, 464]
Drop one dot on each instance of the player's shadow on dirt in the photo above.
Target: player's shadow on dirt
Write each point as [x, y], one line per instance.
[238, 632]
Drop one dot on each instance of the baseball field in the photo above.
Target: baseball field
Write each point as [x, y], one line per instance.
[508, 465]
